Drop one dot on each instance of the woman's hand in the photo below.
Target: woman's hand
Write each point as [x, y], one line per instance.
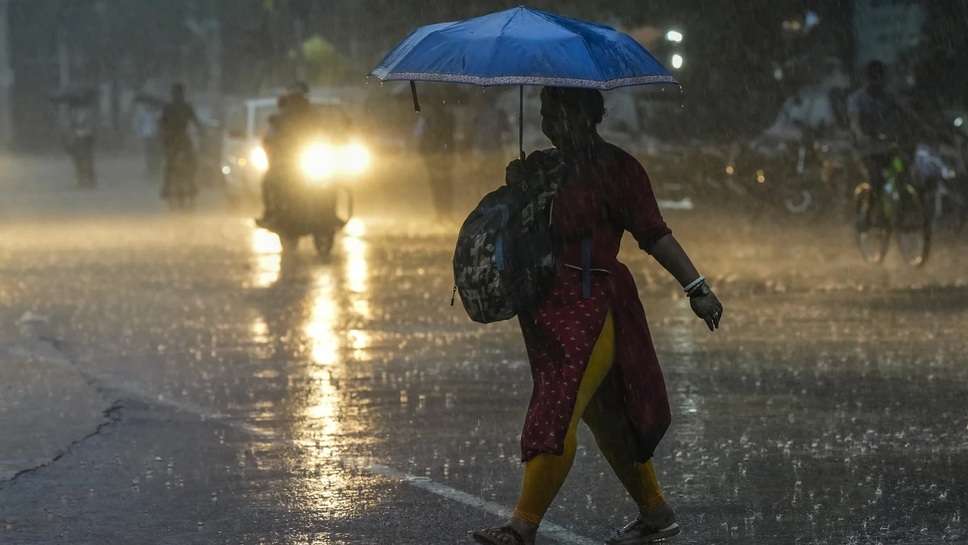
[707, 306]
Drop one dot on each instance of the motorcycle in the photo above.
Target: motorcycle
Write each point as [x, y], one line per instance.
[309, 194]
[803, 176]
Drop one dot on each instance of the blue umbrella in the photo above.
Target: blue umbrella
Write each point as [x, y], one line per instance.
[522, 46]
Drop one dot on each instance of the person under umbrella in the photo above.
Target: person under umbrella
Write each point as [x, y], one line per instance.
[588, 341]
[592, 358]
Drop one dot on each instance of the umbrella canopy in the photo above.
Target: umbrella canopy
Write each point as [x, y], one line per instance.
[523, 46]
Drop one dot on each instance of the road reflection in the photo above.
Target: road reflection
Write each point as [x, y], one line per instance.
[316, 315]
[324, 318]
[266, 257]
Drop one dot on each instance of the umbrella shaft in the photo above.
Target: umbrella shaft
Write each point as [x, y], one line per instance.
[521, 121]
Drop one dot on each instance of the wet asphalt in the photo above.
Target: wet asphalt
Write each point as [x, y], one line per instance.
[173, 379]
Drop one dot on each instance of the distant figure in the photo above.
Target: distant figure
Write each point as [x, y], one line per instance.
[176, 118]
[491, 131]
[435, 142]
[146, 120]
[272, 144]
[79, 140]
[288, 130]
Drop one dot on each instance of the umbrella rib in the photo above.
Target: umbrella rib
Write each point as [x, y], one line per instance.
[591, 55]
[494, 46]
[584, 42]
[388, 69]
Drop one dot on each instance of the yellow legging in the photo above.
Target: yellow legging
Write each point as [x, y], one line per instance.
[545, 473]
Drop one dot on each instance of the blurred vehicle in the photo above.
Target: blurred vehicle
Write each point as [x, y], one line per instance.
[809, 174]
[940, 170]
[309, 184]
[803, 162]
[244, 160]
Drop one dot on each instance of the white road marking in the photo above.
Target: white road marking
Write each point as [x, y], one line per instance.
[133, 391]
[551, 530]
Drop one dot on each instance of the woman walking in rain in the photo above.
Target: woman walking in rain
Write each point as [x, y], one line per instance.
[588, 342]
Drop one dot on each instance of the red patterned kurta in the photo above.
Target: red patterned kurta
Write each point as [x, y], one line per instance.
[615, 197]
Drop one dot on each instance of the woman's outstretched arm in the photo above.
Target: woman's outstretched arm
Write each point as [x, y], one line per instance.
[673, 258]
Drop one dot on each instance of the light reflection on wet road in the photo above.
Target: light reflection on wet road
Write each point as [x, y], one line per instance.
[256, 388]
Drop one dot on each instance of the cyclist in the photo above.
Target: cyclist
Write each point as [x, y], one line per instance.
[877, 120]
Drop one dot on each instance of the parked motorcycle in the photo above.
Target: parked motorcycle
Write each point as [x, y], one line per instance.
[803, 176]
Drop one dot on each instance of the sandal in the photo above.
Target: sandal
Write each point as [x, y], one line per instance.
[503, 535]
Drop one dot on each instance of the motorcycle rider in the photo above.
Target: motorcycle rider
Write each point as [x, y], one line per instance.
[176, 117]
[287, 128]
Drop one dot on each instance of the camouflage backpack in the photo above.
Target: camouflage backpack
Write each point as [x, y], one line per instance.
[506, 256]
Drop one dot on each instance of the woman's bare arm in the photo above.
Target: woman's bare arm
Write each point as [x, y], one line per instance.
[673, 258]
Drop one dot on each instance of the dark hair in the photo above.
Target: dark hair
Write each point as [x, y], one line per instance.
[588, 101]
[875, 70]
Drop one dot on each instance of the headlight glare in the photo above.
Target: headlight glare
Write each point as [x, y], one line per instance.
[259, 158]
[356, 158]
[321, 160]
[316, 161]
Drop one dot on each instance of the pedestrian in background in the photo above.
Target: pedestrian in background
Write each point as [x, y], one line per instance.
[177, 118]
[146, 119]
[78, 120]
[491, 131]
[435, 133]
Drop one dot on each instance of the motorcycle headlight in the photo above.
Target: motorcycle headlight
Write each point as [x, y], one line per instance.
[259, 158]
[316, 161]
[356, 159]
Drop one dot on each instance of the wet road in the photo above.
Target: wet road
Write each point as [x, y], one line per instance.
[174, 380]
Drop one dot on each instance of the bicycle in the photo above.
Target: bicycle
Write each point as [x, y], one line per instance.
[896, 210]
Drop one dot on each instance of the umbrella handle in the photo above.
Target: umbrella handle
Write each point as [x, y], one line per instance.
[413, 92]
[521, 122]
